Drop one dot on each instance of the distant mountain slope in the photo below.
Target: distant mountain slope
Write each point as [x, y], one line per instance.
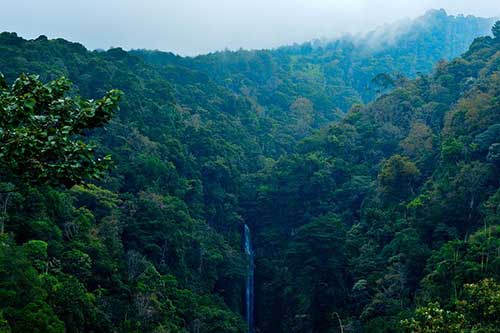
[335, 74]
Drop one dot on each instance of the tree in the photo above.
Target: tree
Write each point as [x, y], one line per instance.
[397, 177]
[477, 311]
[419, 143]
[383, 82]
[433, 319]
[40, 130]
[496, 30]
[71, 302]
[303, 110]
[36, 251]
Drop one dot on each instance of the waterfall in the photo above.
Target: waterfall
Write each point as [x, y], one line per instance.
[249, 291]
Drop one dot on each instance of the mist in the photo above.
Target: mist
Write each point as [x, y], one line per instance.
[190, 27]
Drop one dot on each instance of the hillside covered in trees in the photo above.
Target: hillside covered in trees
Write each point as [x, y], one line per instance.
[314, 83]
[365, 168]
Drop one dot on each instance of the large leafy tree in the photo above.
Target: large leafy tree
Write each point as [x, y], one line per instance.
[478, 311]
[41, 129]
[397, 177]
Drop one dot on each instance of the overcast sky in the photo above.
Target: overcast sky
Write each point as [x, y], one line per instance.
[191, 27]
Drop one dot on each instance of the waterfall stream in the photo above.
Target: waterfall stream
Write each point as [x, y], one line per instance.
[249, 291]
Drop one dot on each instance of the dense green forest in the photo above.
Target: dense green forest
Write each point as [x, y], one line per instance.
[365, 168]
[309, 85]
[395, 205]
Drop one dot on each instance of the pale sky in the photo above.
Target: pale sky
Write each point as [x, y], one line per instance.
[190, 27]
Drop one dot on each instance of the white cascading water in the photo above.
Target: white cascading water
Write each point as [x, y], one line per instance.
[249, 292]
